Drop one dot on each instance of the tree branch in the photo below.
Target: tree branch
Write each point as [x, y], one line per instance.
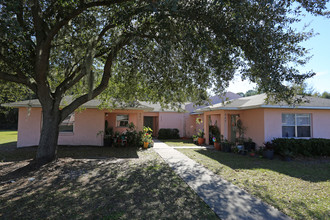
[18, 79]
[104, 82]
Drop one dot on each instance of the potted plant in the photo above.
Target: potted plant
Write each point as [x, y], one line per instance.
[195, 138]
[146, 137]
[216, 143]
[200, 135]
[226, 146]
[249, 145]
[268, 150]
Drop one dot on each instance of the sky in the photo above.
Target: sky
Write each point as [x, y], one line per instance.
[319, 47]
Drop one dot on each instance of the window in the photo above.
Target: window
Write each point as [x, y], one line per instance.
[122, 120]
[296, 125]
[67, 124]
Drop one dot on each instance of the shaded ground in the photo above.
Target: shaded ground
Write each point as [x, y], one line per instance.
[129, 184]
[301, 188]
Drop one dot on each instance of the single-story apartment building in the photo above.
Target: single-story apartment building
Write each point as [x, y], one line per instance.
[263, 121]
[83, 126]
[266, 121]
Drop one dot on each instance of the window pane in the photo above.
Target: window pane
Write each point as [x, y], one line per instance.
[288, 119]
[303, 119]
[304, 131]
[288, 131]
[122, 121]
[122, 117]
[67, 124]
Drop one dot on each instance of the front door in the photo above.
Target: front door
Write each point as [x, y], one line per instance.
[149, 122]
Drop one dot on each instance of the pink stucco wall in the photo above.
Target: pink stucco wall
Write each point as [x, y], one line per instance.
[191, 127]
[29, 127]
[88, 124]
[320, 122]
[172, 120]
[253, 120]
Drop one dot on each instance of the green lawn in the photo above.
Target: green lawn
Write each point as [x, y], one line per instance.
[8, 137]
[301, 188]
[179, 142]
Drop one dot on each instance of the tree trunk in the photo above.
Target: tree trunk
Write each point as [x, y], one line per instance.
[49, 136]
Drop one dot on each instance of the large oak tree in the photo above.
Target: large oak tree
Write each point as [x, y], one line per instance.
[168, 51]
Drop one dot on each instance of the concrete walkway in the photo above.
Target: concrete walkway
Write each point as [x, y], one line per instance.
[224, 198]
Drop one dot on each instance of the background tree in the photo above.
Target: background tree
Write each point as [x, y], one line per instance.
[326, 95]
[157, 50]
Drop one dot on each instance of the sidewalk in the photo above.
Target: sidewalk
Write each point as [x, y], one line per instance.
[224, 198]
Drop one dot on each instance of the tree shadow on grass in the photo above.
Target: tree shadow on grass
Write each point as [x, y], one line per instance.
[11, 153]
[27, 154]
[103, 189]
[318, 171]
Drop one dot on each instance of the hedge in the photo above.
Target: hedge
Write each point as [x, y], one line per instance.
[302, 147]
[168, 133]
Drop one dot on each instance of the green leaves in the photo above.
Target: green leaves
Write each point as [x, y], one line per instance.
[176, 50]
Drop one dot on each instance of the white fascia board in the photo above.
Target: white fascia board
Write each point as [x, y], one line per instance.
[296, 107]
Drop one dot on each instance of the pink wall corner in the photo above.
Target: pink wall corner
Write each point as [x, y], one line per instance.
[253, 120]
[172, 120]
[87, 124]
[320, 122]
[191, 127]
[29, 127]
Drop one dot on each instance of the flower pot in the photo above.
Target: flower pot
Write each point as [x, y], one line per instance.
[145, 145]
[269, 154]
[217, 146]
[201, 141]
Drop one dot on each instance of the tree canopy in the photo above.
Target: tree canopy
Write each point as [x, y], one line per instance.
[166, 51]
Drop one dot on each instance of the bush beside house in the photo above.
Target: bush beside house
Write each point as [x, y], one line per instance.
[168, 133]
[302, 147]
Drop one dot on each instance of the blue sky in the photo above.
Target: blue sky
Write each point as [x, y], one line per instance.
[319, 47]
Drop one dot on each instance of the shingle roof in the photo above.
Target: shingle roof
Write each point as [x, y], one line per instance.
[141, 105]
[95, 103]
[258, 101]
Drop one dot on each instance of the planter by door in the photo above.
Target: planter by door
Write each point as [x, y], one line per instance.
[145, 145]
[201, 141]
[217, 146]
[269, 154]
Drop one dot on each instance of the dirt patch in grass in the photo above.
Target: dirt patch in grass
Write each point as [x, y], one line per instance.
[301, 189]
[141, 187]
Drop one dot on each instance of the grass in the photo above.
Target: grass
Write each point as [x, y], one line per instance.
[8, 137]
[301, 189]
[179, 142]
[96, 183]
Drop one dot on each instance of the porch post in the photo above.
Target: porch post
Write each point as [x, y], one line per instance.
[224, 125]
[206, 128]
[139, 125]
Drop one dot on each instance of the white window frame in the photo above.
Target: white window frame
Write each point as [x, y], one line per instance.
[118, 121]
[296, 126]
[64, 123]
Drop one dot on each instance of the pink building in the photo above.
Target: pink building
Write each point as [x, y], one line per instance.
[83, 126]
[265, 121]
[262, 121]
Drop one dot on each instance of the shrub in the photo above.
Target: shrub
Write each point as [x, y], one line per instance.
[168, 133]
[302, 147]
